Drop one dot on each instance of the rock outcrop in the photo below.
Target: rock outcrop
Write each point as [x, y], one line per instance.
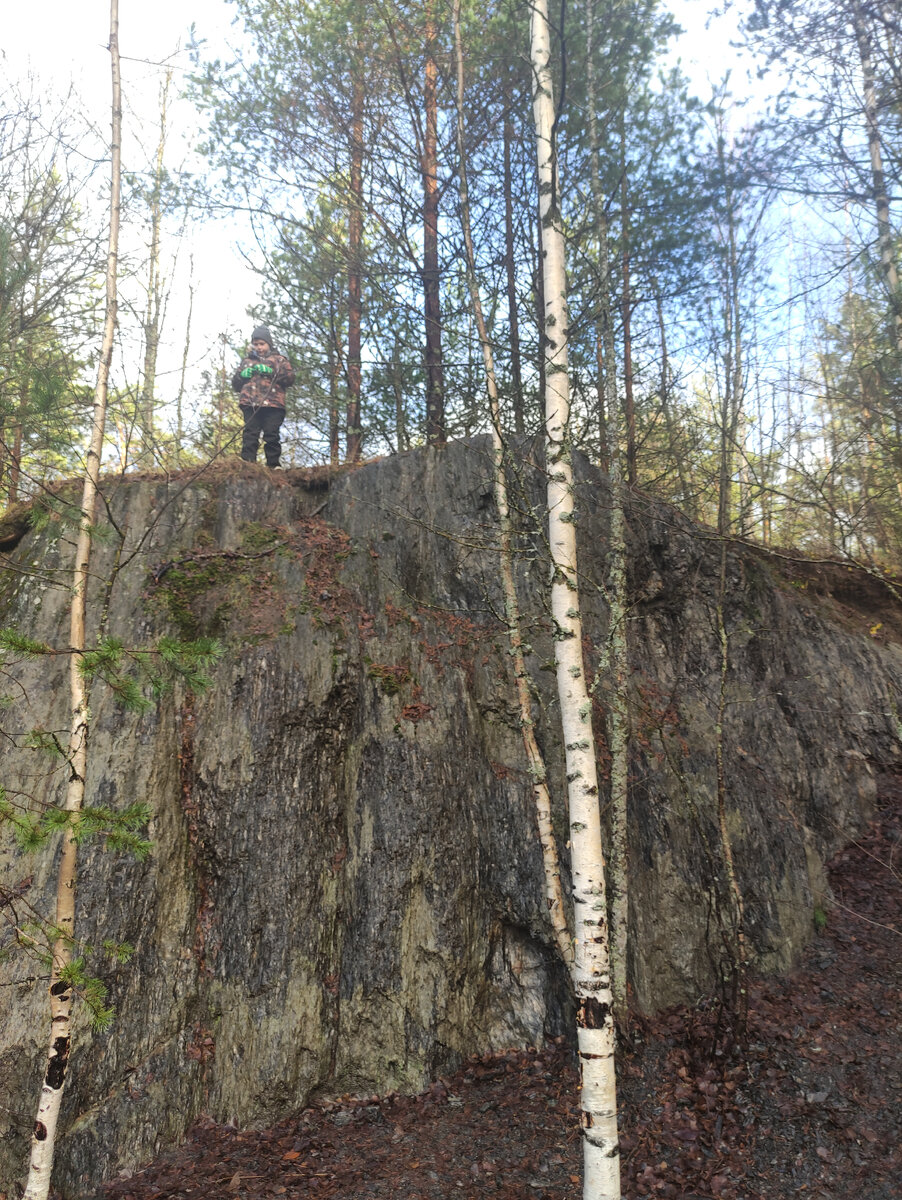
[345, 891]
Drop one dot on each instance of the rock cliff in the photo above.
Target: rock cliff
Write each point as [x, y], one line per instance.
[345, 891]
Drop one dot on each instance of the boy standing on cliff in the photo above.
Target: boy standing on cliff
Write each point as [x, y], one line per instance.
[261, 382]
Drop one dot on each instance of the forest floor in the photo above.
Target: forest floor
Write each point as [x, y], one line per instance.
[812, 1108]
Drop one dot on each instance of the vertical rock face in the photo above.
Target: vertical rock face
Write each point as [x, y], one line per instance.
[345, 892]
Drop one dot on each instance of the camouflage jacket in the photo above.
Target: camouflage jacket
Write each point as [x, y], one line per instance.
[262, 381]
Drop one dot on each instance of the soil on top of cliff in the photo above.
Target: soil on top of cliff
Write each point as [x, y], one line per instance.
[812, 1109]
[859, 598]
[16, 521]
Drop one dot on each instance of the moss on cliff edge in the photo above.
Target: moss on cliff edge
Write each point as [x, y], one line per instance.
[228, 594]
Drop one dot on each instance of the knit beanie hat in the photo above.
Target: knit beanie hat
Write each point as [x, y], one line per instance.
[262, 334]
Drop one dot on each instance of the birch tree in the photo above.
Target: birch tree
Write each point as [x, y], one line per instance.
[591, 968]
[61, 992]
[534, 756]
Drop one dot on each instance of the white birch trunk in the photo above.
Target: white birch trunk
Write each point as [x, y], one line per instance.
[43, 1141]
[591, 971]
[538, 773]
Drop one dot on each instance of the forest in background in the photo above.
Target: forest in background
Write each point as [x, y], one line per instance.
[733, 277]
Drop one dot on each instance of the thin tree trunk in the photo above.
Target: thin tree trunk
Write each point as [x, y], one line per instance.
[334, 375]
[869, 395]
[540, 299]
[619, 745]
[745, 485]
[617, 684]
[787, 535]
[591, 970]
[731, 408]
[725, 474]
[766, 494]
[601, 374]
[538, 773]
[831, 492]
[154, 288]
[885, 240]
[629, 407]
[605, 360]
[510, 269]
[4, 463]
[22, 414]
[878, 177]
[435, 385]
[15, 457]
[355, 239]
[672, 433]
[45, 1130]
[223, 393]
[736, 948]
[732, 399]
[179, 411]
[400, 423]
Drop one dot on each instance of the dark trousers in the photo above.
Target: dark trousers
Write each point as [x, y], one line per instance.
[268, 422]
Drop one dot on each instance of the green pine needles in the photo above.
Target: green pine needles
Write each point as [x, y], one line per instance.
[57, 515]
[36, 937]
[20, 646]
[132, 674]
[120, 829]
[137, 677]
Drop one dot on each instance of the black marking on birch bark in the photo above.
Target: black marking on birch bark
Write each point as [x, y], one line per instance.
[600, 1141]
[56, 1068]
[597, 985]
[40, 1131]
[593, 1013]
[60, 988]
